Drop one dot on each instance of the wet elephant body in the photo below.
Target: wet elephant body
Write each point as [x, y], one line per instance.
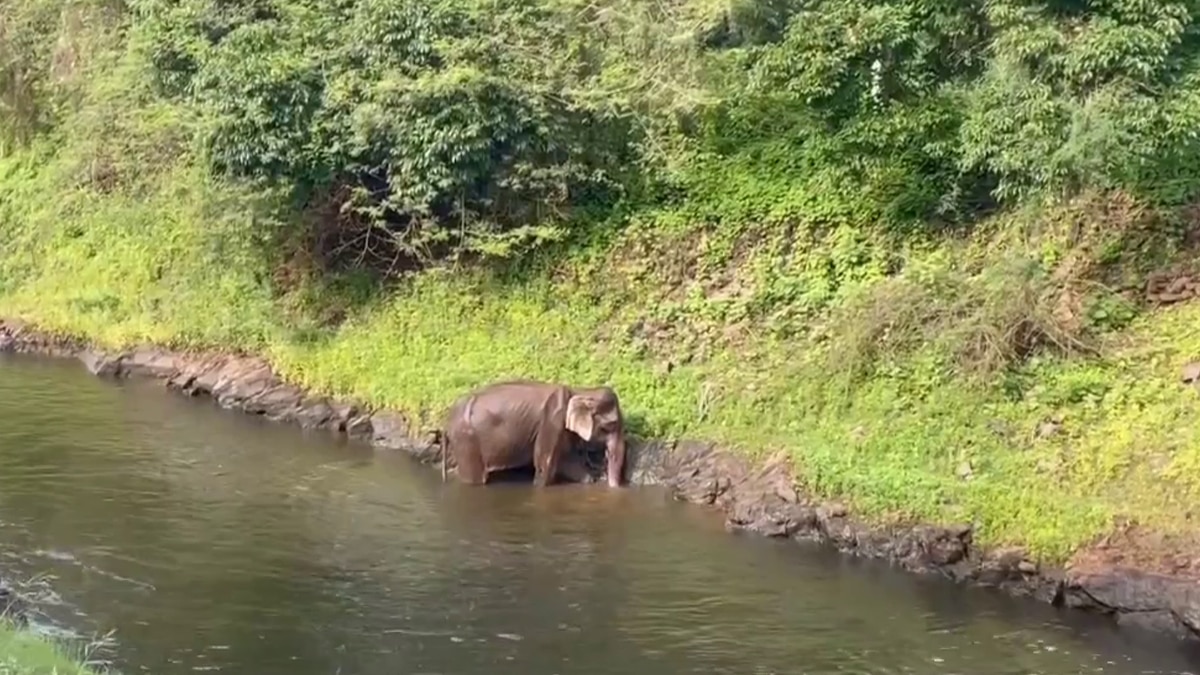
[510, 425]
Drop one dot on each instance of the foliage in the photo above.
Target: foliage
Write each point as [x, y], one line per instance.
[443, 127]
[47, 51]
[421, 130]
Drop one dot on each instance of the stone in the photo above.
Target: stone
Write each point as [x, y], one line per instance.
[390, 430]
[1190, 373]
[1149, 600]
[965, 472]
[277, 403]
[832, 510]
[646, 462]
[341, 414]
[239, 381]
[99, 363]
[1048, 428]
[359, 426]
[150, 363]
[314, 413]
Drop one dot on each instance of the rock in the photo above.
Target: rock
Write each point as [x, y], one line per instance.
[942, 546]
[341, 415]
[315, 413]
[99, 363]
[274, 402]
[1048, 428]
[1000, 566]
[427, 449]
[202, 379]
[390, 430]
[239, 381]
[1149, 600]
[359, 426]
[1166, 287]
[8, 336]
[765, 501]
[998, 427]
[832, 510]
[771, 517]
[150, 363]
[1161, 621]
[645, 461]
[1190, 373]
[965, 472]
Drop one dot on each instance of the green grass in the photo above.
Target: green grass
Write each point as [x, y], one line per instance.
[25, 653]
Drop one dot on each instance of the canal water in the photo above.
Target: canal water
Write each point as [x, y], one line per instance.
[202, 540]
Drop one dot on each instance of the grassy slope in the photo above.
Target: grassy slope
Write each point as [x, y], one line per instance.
[169, 258]
[23, 653]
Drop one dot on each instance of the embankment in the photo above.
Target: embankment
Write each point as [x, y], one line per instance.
[25, 653]
[22, 651]
[1116, 577]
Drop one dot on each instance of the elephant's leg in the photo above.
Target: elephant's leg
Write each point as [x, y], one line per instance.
[544, 475]
[546, 451]
[470, 461]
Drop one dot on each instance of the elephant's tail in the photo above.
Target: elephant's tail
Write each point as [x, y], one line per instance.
[466, 429]
[445, 443]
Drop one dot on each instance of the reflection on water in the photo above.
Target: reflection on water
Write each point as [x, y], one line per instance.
[216, 541]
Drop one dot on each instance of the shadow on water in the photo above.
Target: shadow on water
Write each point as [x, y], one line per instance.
[216, 541]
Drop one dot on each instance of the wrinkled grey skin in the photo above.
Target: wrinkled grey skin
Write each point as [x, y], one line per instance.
[512, 424]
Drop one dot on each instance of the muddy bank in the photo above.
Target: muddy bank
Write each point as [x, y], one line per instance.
[1136, 578]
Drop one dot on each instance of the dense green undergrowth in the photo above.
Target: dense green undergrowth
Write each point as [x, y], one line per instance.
[924, 287]
[25, 653]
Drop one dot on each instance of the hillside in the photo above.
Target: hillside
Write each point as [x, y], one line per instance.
[939, 252]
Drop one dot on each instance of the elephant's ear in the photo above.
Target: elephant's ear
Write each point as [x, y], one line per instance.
[579, 417]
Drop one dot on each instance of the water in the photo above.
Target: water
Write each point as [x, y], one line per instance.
[213, 541]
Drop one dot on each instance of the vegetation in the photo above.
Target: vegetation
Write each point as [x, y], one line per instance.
[905, 241]
[25, 653]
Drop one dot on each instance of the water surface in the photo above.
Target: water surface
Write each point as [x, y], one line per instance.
[214, 541]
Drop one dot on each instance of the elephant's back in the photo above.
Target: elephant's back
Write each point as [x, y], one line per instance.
[511, 413]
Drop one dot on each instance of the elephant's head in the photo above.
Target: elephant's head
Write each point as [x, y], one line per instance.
[595, 415]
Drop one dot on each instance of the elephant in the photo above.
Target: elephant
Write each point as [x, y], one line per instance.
[508, 425]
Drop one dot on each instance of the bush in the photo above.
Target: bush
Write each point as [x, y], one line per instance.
[443, 127]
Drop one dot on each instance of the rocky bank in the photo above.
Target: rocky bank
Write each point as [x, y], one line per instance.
[1136, 578]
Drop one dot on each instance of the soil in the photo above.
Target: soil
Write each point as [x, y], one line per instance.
[1138, 578]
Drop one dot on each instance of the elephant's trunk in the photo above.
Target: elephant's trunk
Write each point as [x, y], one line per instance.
[616, 458]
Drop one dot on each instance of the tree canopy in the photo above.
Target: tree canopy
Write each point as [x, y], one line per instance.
[461, 126]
